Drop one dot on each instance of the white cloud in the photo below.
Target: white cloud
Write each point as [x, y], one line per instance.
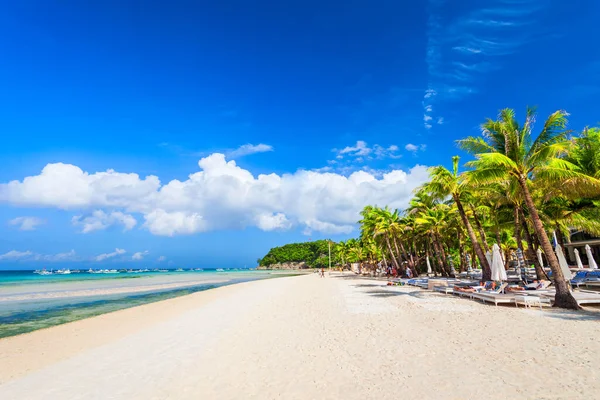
[414, 148]
[99, 220]
[161, 258]
[361, 152]
[68, 256]
[105, 256]
[248, 149]
[271, 222]
[27, 223]
[66, 186]
[440, 120]
[139, 255]
[16, 255]
[427, 118]
[430, 93]
[360, 149]
[161, 222]
[469, 50]
[428, 108]
[221, 195]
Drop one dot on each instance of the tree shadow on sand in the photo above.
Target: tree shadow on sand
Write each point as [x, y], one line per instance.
[592, 314]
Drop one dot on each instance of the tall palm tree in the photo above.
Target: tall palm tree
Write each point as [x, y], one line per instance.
[508, 151]
[446, 183]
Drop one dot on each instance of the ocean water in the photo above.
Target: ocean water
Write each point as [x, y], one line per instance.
[30, 301]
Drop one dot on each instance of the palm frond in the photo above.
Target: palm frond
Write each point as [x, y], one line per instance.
[553, 131]
[475, 145]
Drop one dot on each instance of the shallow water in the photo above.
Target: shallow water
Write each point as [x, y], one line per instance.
[29, 302]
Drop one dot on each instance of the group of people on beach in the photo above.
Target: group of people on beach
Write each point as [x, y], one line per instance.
[393, 272]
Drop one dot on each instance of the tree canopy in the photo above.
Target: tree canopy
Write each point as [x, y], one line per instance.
[314, 253]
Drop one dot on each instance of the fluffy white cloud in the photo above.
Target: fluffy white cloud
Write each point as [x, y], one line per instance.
[16, 255]
[139, 255]
[221, 195]
[99, 220]
[67, 186]
[161, 222]
[105, 256]
[26, 223]
[271, 222]
[248, 149]
[427, 118]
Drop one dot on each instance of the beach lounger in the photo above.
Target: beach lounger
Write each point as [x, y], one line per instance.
[444, 289]
[582, 298]
[496, 298]
[529, 301]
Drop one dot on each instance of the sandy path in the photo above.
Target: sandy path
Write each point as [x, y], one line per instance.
[311, 338]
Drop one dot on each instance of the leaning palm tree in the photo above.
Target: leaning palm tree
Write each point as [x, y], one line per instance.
[446, 183]
[508, 151]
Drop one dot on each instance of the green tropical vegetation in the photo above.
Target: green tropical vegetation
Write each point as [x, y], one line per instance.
[313, 254]
[519, 188]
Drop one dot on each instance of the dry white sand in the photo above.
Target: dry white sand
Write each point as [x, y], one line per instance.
[309, 338]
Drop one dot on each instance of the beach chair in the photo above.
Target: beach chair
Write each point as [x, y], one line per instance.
[444, 289]
[582, 298]
[495, 296]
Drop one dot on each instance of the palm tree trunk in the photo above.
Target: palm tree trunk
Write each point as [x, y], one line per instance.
[408, 259]
[398, 252]
[539, 268]
[559, 236]
[461, 251]
[485, 266]
[563, 297]
[482, 234]
[438, 256]
[387, 240]
[440, 245]
[518, 229]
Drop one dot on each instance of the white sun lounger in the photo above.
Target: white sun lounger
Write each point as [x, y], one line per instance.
[444, 289]
[582, 298]
[496, 298]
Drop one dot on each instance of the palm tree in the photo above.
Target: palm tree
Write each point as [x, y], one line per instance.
[446, 183]
[342, 250]
[508, 151]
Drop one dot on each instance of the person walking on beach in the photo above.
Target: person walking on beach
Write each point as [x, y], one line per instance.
[322, 273]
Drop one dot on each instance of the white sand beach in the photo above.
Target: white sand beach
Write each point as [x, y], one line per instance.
[306, 337]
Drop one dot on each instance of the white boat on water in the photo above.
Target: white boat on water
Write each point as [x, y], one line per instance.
[42, 272]
[65, 271]
[179, 270]
[220, 270]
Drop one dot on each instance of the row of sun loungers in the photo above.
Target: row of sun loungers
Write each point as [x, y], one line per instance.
[526, 298]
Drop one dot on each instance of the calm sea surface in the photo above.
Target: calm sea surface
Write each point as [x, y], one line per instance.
[30, 301]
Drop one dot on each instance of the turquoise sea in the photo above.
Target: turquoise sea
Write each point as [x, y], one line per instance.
[30, 301]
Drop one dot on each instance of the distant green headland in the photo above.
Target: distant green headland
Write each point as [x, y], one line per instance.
[314, 254]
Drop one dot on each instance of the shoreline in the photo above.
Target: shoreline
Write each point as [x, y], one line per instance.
[59, 342]
[306, 337]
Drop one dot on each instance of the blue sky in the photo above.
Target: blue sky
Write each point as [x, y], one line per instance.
[107, 108]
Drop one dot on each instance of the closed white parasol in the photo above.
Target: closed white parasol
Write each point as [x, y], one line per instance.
[497, 266]
[591, 261]
[562, 261]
